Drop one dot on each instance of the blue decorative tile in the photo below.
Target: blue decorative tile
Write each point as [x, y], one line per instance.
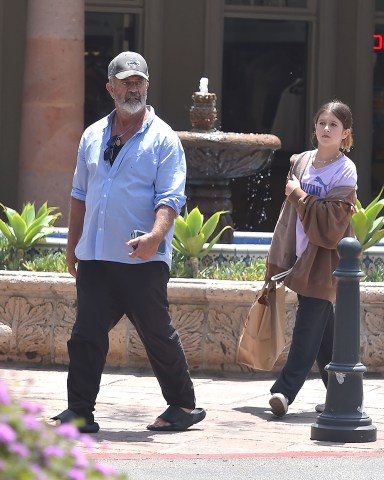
[247, 246]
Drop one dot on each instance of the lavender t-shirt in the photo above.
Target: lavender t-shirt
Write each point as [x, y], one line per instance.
[319, 182]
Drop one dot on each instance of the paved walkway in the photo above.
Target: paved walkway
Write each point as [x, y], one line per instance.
[238, 423]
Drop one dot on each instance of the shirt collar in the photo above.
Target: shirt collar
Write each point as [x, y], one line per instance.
[145, 125]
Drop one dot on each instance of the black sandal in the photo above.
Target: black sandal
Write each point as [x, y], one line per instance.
[69, 416]
[178, 419]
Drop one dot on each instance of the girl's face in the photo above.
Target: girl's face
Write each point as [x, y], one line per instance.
[329, 130]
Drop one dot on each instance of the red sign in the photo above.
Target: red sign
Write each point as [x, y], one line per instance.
[378, 42]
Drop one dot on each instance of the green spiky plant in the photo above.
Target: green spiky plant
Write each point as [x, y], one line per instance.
[191, 235]
[367, 226]
[25, 229]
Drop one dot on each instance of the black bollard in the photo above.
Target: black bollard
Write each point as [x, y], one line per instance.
[344, 419]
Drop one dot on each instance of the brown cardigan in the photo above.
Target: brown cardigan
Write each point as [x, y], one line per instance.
[326, 221]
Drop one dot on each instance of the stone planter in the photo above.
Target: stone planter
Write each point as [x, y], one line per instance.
[37, 311]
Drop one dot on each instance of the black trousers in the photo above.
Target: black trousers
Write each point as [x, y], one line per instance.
[312, 340]
[105, 292]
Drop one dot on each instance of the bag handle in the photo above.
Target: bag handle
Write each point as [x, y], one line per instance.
[262, 296]
[281, 275]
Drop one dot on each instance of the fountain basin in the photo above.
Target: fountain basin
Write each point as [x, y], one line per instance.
[216, 155]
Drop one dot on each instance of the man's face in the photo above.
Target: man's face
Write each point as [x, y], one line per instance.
[129, 94]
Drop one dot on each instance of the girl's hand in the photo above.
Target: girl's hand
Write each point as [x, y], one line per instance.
[291, 185]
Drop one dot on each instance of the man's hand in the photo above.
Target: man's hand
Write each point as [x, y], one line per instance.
[76, 221]
[144, 246]
[71, 262]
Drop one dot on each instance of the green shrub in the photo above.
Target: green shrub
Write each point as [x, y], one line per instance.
[252, 270]
[192, 234]
[47, 262]
[25, 229]
[367, 226]
[3, 252]
[375, 274]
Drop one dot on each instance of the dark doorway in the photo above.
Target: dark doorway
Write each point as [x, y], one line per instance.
[264, 91]
[106, 34]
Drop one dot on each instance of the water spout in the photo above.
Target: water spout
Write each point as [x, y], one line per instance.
[203, 87]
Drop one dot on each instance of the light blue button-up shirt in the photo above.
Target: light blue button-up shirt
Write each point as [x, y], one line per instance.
[149, 171]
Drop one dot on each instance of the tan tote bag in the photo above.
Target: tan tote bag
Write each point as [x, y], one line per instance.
[262, 336]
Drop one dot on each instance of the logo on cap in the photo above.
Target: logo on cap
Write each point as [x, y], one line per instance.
[133, 64]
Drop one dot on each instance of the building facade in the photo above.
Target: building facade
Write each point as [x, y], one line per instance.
[270, 62]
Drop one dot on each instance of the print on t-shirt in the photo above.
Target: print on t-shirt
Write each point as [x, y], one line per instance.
[319, 182]
[315, 189]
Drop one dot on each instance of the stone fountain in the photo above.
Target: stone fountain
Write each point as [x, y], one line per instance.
[215, 157]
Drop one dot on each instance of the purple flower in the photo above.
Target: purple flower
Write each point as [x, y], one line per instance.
[36, 470]
[79, 458]
[67, 430]
[31, 407]
[87, 441]
[4, 397]
[19, 449]
[76, 474]
[7, 434]
[31, 423]
[53, 451]
[104, 469]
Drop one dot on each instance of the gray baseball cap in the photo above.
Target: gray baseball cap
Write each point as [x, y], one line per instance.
[127, 64]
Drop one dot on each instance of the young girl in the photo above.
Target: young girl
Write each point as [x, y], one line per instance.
[320, 197]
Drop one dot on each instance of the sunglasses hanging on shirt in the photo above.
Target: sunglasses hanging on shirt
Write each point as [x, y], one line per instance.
[113, 148]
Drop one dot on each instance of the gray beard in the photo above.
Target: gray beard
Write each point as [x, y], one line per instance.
[133, 105]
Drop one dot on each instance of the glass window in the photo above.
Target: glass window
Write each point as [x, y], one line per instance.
[106, 34]
[264, 88]
[269, 3]
[378, 111]
[264, 69]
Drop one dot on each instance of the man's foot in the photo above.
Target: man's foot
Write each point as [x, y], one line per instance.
[320, 407]
[279, 404]
[69, 416]
[177, 419]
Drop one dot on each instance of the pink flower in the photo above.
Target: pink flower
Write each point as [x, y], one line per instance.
[104, 469]
[31, 407]
[67, 430]
[76, 474]
[4, 397]
[31, 423]
[7, 434]
[36, 470]
[79, 458]
[19, 449]
[87, 441]
[53, 451]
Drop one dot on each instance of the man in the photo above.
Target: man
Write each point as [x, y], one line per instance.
[130, 176]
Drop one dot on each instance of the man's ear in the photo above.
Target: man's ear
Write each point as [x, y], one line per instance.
[109, 88]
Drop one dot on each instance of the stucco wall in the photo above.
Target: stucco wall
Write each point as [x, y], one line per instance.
[37, 311]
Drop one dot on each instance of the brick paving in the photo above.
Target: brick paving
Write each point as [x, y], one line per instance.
[238, 421]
